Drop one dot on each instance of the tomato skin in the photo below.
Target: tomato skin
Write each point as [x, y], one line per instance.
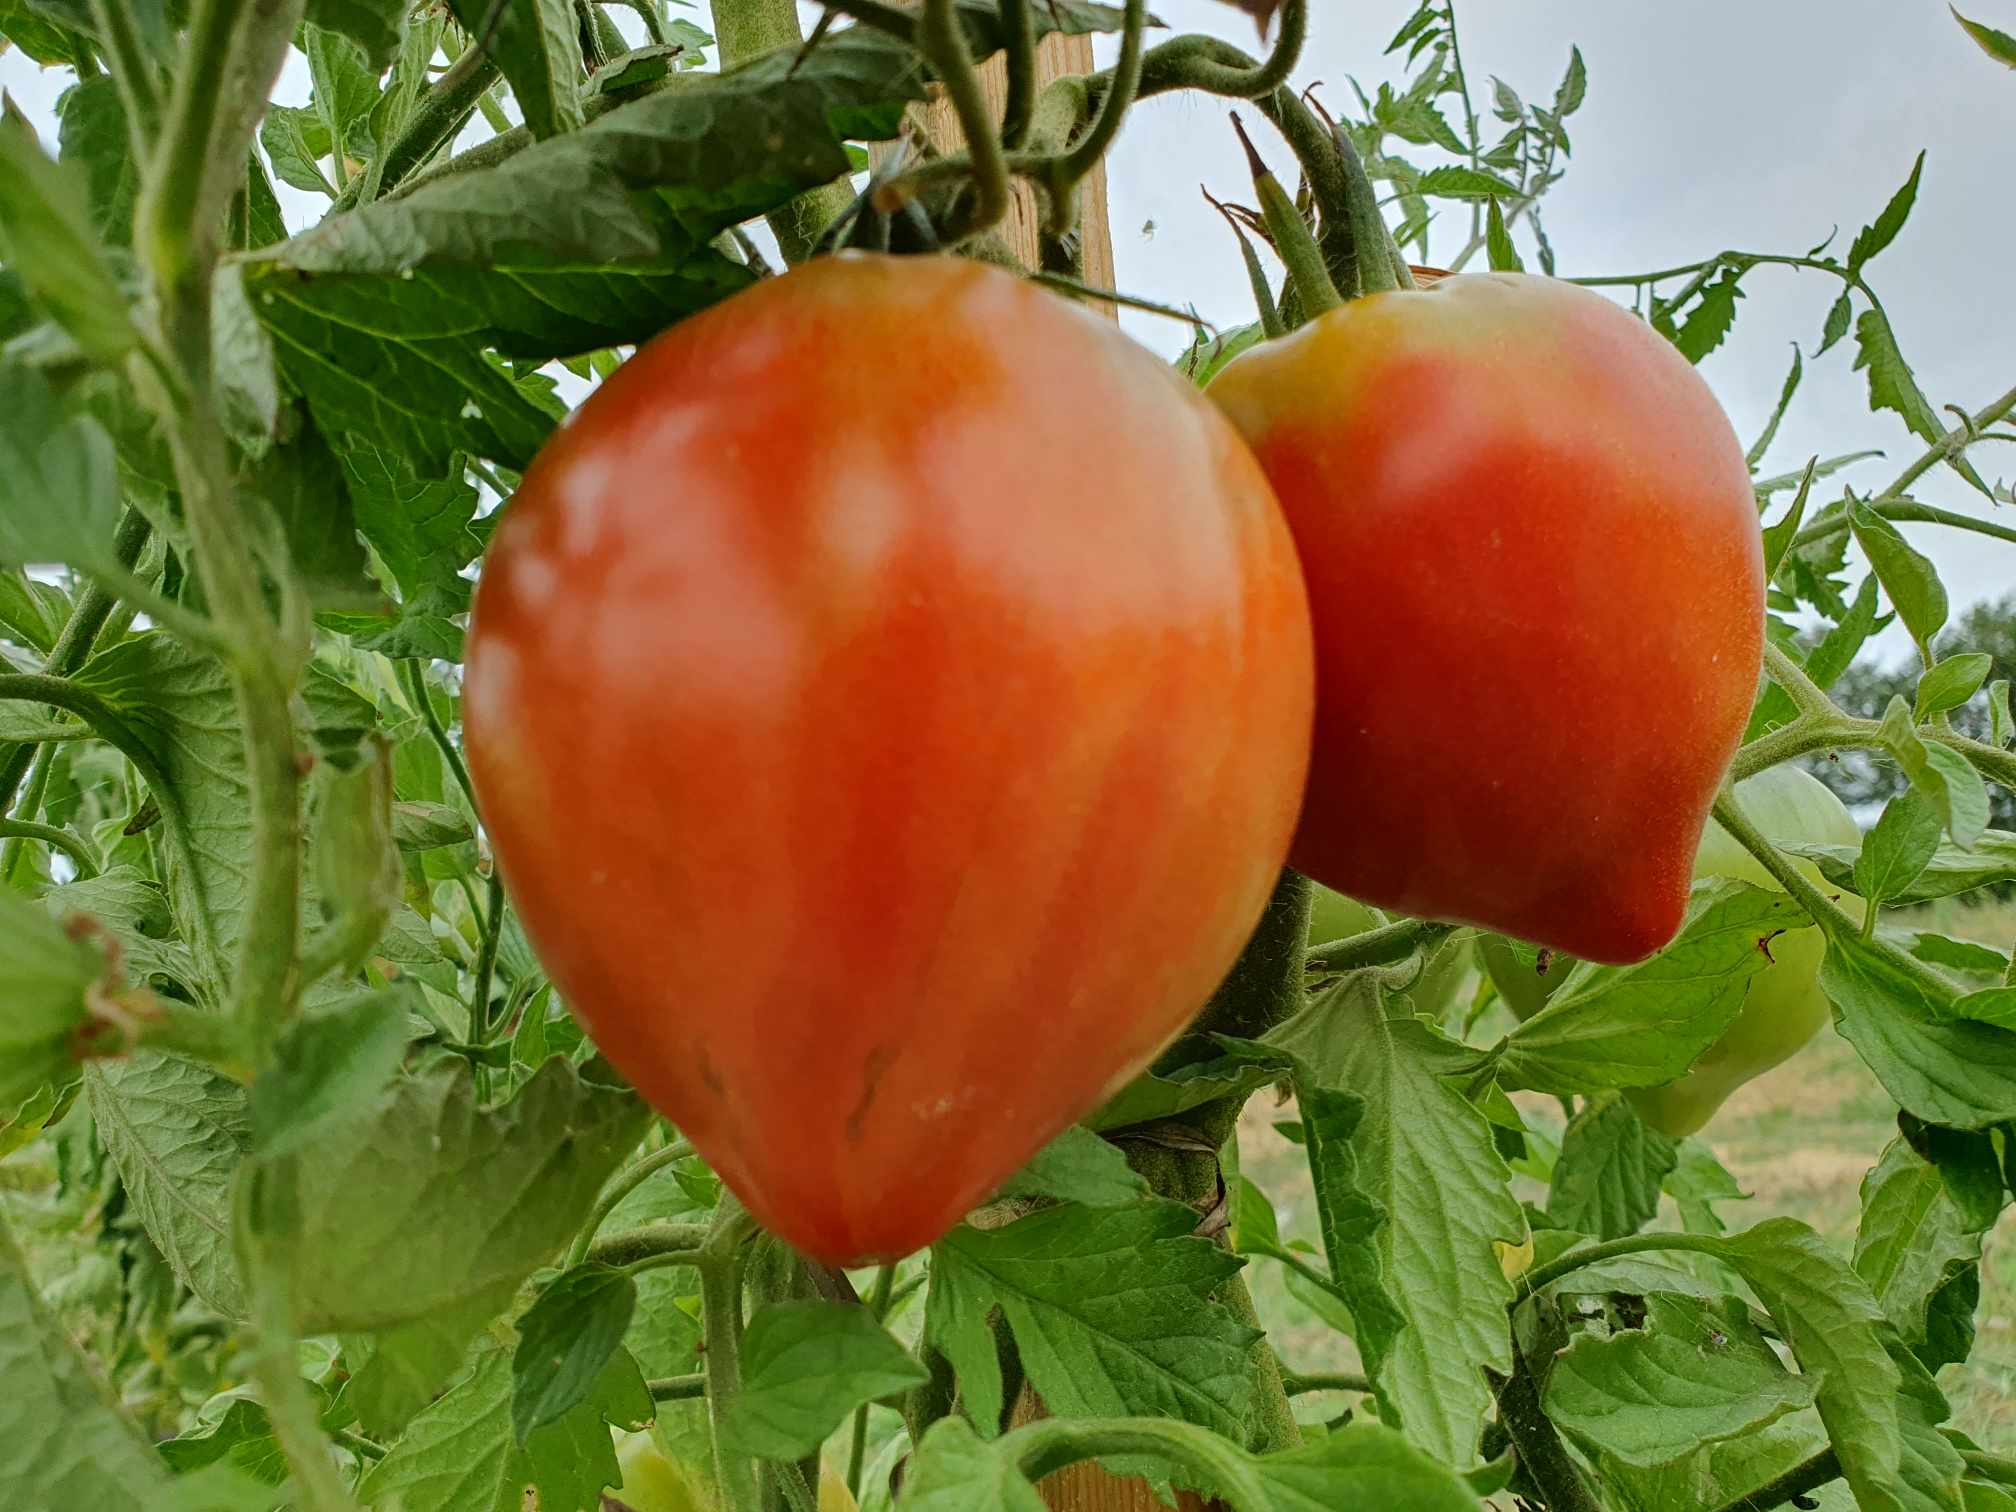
[1537, 584]
[1784, 1008]
[850, 681]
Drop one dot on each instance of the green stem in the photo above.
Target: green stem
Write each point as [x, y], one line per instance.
[1803, 1478]
[77, 638]
[1543, 1276]
[231, 54]
[415, 678]
[1907, 509]
[1335, 1380]
[1085, 154]
[1541, 1453]
[684, 1388]
[76, 848]
[438, 115]
[276, 1371]
[133, 73]
[486, 956]
[746, 29]
[941, 37]
[1807, 733]
[653, 1239]
[1294, 244]
[1378, 947]
[199, 630]
[1990, 1467]
[1807, 696]
[720, 1267]
[15, 847]
[1047, 1445]
[1380, 267]
[857, 1449]
[665, 1260]
[1018, 21]
[625, 1182]
[357, 1444]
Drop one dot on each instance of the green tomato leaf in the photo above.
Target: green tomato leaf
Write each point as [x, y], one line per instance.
[47, 239]
[63, 1441]
[177, 1133]
[374, 25]
[1459, 181]
[1873, 238]
[1695, 1375]
[1839, 315]
[1498, 244]
[297, 140]
[1361, 1465]
[1778, 538]
[1696, 1183]
[2001, 724]
[1642, 1025]
[1913, 1241]
[538, 45]
[1610, 1171]
[62, 500]
[1996, 1005]
[1834, 1326]
[1413, 1199]
[242, 1439]
[1952, 682]
[1770, 433]
[1950, 872]
[372, 1245]
[1899, 848]
[1843, 643]
[331, 1062]
[1110, 1308]
[429, 826]
[92, 136]
[1078, 1166]
[1714, 314]
[459, 1454]
[1944, 776]
[1901, 1016]
[806, 1367]
[1908, 577]
[1999, 45]
[565, 1341]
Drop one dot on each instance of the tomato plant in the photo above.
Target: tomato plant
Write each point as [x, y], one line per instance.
[1536, 467]
[645, 769]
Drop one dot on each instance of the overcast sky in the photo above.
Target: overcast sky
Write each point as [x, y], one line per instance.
[1753, 124]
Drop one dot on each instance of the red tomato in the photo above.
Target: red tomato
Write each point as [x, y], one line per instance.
[889, 696]
[1535, 574]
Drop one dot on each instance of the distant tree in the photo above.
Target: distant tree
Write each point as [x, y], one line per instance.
[1866, 688]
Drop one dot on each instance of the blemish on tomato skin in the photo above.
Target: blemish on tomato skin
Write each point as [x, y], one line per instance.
[709, 1077]
[879, 1061]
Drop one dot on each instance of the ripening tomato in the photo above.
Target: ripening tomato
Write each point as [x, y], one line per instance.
[1784, 1008]
[889, 696]
[1537, 584]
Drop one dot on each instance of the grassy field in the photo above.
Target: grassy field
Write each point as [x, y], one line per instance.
[1798, 1140]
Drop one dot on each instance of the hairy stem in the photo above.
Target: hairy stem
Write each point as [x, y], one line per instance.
[721, 1321]
[746, 29]
[625, 1182]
